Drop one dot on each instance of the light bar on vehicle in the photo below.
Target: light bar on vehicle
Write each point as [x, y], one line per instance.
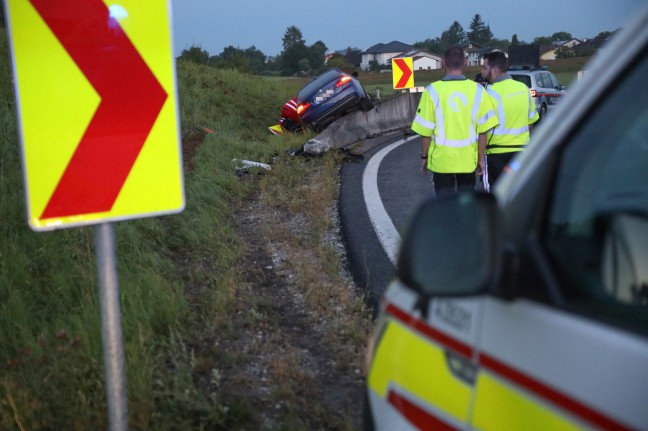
[343, 80]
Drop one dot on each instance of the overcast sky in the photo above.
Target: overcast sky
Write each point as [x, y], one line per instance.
[215, 24]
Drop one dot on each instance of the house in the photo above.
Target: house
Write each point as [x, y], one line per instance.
[549, 52]
[570, 43]
[382, 53]
[473, 52]
[421, 59]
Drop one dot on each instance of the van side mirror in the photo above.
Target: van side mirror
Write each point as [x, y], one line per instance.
[452, 246]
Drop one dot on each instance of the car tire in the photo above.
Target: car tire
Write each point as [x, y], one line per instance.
[543, 111]
[366, 104]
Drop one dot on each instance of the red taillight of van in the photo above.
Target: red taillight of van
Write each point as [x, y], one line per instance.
[302, 108]
[342, 81]
[533, 93]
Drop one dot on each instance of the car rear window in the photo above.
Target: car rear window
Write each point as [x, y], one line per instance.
[523, 78]
[309, 88]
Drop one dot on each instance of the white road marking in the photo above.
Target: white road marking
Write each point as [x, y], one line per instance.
[385, 230]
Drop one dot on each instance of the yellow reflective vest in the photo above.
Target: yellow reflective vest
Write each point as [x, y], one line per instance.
[452, 112]
[515, 111]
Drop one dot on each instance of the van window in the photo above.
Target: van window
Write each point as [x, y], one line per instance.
[526, 79]
[596, 233]
[543, 80]
[554, 81]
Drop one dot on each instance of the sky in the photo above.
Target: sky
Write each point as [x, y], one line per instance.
[213, 25]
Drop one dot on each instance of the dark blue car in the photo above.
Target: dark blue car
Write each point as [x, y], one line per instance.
[330, 96]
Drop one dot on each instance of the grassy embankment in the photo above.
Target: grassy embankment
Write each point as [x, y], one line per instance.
[51, 370]
[565, 69]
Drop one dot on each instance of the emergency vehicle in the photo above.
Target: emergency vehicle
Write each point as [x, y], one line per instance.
[527, 309]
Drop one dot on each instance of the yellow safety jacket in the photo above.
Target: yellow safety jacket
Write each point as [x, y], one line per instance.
[452, 112]
[515, 111]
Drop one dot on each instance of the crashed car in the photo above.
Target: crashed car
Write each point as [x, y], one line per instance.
[329, 96]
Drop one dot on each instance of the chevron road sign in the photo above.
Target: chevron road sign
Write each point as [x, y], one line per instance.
[402, 72]
[97, 104]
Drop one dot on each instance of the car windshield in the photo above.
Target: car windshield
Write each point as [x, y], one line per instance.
[523, 78]
[318, 82]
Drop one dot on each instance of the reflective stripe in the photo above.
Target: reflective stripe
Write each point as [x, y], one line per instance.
[490, 114]
[455, 143]
[291, 104]
[423, 122]
[514, 132]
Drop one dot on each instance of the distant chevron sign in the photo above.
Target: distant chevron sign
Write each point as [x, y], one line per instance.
[402, 72]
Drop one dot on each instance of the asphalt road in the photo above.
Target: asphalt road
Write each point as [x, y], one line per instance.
[380, 191]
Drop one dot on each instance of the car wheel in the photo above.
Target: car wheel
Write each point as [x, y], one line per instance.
[543, 111]
[366, 104]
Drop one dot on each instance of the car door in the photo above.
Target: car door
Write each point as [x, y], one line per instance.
[570, 351]
[423, 371]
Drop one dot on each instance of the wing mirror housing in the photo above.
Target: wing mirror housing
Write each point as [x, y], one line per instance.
[452, 246]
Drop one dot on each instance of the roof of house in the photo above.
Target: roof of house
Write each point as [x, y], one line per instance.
[385, 48]
[417, 53]
[562, 42]
[475, 46]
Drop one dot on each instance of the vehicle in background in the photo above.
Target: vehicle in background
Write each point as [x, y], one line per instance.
[527, 308]
[546, 90]
[329, 96]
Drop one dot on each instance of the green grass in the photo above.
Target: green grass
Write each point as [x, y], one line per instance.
[51, 369]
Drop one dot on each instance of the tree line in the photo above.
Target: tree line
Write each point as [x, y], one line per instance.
[299, 58]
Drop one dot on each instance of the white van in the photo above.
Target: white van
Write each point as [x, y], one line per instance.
[527, 309]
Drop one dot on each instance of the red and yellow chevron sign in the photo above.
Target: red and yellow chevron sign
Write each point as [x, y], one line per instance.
[95, 82]
[403, 72]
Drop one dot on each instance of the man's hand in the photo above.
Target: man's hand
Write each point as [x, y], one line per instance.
[424, 168]
[480, 167]
[425, 145]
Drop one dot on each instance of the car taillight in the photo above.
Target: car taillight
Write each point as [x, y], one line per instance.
[342, 81]
[302, 108]
[533, 93]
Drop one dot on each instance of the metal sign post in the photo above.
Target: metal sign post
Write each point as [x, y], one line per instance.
[111, 331]
[101, 76]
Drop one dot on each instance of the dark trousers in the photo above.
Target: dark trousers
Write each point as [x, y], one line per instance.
[445, 183]
[495, 164]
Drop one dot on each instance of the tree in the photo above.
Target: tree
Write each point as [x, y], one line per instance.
[293, 36]
[303, 66]
[514, 40]
[432, 45]
[290, 57]
[195, 54]
[453, 36]
[317, 55]
[565, 52]
[479, 32]
[602, 36]
[542, 41]
[340, 62]
[561, 35]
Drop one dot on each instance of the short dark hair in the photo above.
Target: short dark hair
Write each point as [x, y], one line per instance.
[497, 59]
[454, 57]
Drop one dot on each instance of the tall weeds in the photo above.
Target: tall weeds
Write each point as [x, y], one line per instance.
[51, 370]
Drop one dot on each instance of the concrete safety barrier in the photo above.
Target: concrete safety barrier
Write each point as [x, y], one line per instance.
[387, 115]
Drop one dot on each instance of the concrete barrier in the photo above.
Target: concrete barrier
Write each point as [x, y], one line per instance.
[387, 115]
